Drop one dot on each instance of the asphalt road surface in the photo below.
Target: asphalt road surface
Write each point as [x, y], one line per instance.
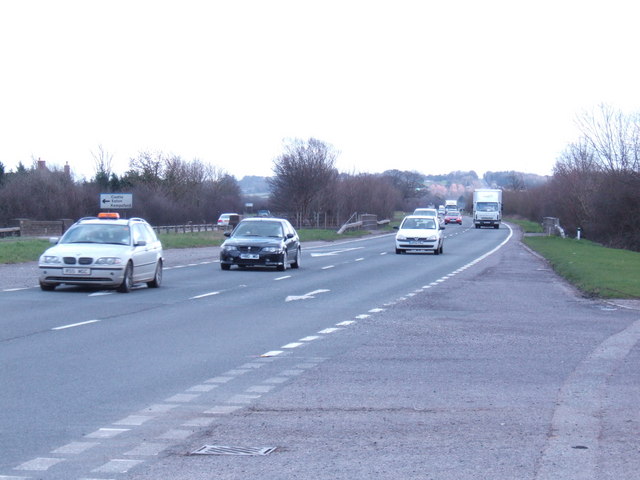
[479, 363]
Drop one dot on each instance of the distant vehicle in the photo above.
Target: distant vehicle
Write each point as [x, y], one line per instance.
[420, 233]
[487, 207]
[103, 251]
[453, 216]
[429, 212]
[225, 218]
[450, 205]
[266, 242]
[426, 211]
[441, 210]
[264, 213]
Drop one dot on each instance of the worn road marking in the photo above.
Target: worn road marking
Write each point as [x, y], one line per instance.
[106, 432]
[118, 466]
[306, 296]
[39, 464]
[74, 448]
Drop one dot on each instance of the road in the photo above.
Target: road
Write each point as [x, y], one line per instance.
[105, 385]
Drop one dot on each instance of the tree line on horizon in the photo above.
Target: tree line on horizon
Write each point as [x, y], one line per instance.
[305, 187]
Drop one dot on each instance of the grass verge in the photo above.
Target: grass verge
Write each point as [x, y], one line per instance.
[18, 251]
[595, 270]
[29, 249]
[527, 225]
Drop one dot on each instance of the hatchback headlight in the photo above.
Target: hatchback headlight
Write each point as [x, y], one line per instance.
[109, 261]
[400, 237]
[432, 238]
[50, 259]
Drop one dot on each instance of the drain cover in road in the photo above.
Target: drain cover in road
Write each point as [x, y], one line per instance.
[225, 450]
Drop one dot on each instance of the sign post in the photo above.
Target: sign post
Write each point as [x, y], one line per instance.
[116, 200]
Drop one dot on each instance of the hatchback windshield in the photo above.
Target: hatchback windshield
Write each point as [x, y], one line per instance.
[418, 223]
[113, 234]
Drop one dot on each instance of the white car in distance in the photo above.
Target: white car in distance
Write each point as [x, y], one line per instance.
[419, 233]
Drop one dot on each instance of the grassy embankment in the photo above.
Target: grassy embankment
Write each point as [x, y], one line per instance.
[595, 270]
[527, 225]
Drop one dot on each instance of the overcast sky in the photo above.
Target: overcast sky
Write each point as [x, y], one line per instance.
[430, 86]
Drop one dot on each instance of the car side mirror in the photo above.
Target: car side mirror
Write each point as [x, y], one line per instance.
[396, 227]
[54, 240]
[227, 234]
[289, 235]
[140, 243]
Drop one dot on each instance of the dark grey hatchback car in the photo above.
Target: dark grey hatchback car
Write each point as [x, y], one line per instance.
[266, 242]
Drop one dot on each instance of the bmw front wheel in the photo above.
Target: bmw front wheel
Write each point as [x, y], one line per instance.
[127, 281]
[157, 277]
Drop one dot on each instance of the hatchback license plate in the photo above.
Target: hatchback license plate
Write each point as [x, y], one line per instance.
[249, 256]
[76, 271]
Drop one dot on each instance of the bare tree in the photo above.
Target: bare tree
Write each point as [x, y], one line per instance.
[301, 174]
[102, 161]
[613, 137]
[367, 193]
[146, 168]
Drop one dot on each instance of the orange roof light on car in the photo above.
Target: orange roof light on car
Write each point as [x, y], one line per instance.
[109, 215]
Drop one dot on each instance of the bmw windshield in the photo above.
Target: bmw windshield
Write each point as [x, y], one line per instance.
[87, 233]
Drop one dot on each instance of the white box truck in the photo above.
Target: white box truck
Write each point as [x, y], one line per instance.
[450, 205]
[487, 207]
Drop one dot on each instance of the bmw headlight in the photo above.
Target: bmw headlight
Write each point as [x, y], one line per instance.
[50, 259]
[272, 249]
[109, 261]
[229, 248]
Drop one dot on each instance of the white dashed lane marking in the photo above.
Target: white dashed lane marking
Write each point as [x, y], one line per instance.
[72, 325]
[133, 420]
[223, 409]
[74, 448]
[106, 432]
[117, 466]
[204, 295]
[39, 464]
[147, 449]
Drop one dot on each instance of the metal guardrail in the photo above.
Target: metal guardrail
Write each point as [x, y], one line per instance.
[188, 228]
[364, 221]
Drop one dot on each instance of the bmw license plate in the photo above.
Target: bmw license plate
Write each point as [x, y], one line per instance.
[76, 271]
[249, 256]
